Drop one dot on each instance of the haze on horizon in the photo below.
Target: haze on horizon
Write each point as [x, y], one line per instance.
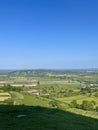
[53, 34]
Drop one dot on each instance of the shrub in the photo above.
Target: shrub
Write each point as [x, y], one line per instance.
[94, 102]
[97, 108]
[87, 105]
[53, 103]
[73, 103]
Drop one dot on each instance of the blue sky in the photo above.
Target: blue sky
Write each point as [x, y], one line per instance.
[60, 34]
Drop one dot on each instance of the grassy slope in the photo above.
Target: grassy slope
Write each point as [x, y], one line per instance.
[40, 118]
[30, 99]
[79, 99]
[92, 114]
[43, 117]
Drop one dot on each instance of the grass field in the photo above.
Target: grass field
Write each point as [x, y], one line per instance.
[41, 118]
[91, 114]
[29, 99]
[32, 100]
[49, 110]
[79, 99]
[4, 96]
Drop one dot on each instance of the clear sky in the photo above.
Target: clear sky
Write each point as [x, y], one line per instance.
[60, 34]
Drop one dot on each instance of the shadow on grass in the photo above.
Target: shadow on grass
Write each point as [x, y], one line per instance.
[40, 118]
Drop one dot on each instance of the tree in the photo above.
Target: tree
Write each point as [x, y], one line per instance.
[73, 103]
[53, 103]
[7, 87]
[38, 83]
[94, 102]
[87, 105]
[96, 94]
[97, 108]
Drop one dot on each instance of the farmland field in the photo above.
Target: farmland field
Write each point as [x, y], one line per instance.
[4, 96]
[56, 96]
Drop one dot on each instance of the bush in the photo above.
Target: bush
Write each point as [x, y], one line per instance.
[78, 106]
[96, 94]
[93, 102]
[53, 103]
[73, 103]
[8, 87]
[97, 108]
[87, 105]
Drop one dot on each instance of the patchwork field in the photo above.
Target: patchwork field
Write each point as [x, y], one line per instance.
[4, 96]
[57, 101]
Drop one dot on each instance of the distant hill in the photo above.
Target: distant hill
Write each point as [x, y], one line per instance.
[5, 72]
[44, 72]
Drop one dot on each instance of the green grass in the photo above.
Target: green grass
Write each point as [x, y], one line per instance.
[59, 86]
[79, 99]
[29, 99]
[32, 100]
[41, 118]
[69, 99]
[92, 114]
